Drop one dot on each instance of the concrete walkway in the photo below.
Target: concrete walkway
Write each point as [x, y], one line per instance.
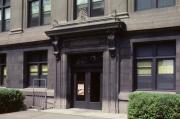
[62, 114]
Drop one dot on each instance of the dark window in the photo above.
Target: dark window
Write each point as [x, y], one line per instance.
[91, 7]
[155, 66]
[3, 70]
[146, 52]
[150, 4]
[7, 2]
[5, 15]
[39, 12]
[37, 68]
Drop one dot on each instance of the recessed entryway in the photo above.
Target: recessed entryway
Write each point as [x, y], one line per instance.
[86, 78]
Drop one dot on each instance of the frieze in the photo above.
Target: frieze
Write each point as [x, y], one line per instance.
[87, 42]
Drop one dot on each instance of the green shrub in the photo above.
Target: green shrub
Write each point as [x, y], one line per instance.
[11, 100]
[154, 106]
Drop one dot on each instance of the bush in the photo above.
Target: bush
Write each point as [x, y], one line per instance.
[11, 100]
[154, 106]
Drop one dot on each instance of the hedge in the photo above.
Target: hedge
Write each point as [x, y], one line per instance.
[153, 106]
[11, 100]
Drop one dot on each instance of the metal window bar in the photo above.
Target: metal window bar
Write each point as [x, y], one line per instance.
[39, 96]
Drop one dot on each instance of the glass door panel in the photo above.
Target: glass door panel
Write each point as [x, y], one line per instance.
[95, 87]
[80, 86]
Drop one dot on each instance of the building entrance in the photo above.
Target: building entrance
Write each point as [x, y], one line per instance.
[87, 80]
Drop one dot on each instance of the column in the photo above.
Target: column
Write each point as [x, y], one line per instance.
[105, 82]
[63, 82]
[177, 66]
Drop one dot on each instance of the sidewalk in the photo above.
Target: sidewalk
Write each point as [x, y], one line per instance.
[61, 114]
[87, 113]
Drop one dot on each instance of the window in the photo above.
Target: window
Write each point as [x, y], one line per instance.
[150, 4]
[37, 68]
[5, 15]
[91, 7]
[3, 70]
[155, 66]
[165, 75]
[39, 12]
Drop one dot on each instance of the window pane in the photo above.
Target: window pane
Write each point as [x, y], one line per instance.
[44, 73]
[97, 0]
[166, 75]
[1, 2]
[163, 48]
[0, 14]
[7, 13]
[46, 5]
[97, 8]
[7, 20]
[83, 8]
[0, 20]
[34, 20]
[6, 25]
[34, 16]
[46, 18]
[144, 68]
[7, 2]
[80, 2]
[166, 67]
[144, 74]
[33, 70]
[144, 51]
[145, 4]
[166, 3]
[44, 69]
[46, 12]
[35, 7]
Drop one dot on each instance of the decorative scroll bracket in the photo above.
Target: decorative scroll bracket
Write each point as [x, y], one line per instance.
[112, 44]
[57, 47]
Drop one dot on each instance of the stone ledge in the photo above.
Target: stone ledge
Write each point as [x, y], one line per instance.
[124, 96]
